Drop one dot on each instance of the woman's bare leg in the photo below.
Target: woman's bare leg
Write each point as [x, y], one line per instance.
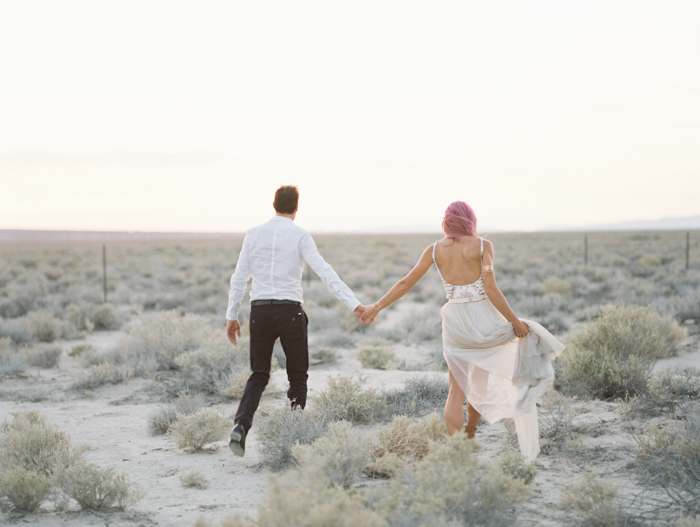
[454, 407]
[472, 415]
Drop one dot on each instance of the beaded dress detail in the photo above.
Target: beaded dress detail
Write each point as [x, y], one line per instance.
[468, 292]
[501, 375]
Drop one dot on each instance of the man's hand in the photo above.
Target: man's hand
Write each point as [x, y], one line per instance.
[359, 311]
[233, 329]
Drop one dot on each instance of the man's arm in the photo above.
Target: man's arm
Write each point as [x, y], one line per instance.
[239, 281]
[329, 277]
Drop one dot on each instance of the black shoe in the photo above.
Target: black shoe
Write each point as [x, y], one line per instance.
[237, 444]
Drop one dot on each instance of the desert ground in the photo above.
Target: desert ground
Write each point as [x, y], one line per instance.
[112, 374]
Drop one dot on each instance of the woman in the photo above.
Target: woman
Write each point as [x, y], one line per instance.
[500, 363]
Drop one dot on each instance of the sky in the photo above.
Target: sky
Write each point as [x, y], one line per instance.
[186, 116]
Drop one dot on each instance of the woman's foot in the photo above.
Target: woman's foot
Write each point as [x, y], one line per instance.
[470, 431]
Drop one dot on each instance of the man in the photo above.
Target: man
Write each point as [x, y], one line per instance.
[273, 255]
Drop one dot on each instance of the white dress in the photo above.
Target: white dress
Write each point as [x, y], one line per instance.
[501, 375]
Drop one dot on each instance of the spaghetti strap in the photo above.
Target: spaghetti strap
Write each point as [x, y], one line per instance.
[435, 262]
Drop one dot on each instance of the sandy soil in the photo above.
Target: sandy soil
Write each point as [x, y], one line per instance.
[112, 421]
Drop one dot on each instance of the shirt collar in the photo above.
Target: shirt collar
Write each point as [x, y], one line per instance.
[281, 218]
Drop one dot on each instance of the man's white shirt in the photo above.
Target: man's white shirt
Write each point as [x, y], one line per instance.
[273, 255]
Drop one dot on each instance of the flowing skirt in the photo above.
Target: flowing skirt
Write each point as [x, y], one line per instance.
[501, 375]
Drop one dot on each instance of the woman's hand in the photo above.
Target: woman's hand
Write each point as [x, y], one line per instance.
[521, 329]
[370, 313]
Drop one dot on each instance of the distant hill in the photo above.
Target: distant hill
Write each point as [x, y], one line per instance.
[98, 236]
[665, 224]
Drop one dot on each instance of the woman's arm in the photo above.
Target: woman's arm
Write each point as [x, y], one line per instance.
[496, 296]
[401, 287]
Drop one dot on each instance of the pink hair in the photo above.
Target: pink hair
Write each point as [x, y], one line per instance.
[459, 220]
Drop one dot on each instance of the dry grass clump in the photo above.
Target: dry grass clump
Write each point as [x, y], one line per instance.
[515, 466]
[301, 498]
[199, 429]
[345, 400]
[681, 383]
[194, 479]
[25, 489]
[594, 503]
[669, 459]
[451, 486]
[96, 488]
[160, 421]
[375, 353]
[89, 317]
[278, 431]
[79, 349]
[325, 354]
[342, 453]
[614, 355]
[403, 441]
[555, 419]
[419, 396]
[43, 355]
[44, 327]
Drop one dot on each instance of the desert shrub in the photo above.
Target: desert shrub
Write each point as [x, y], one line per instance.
[278, 431]
[194, 478]
[375, 353]
[26, 489]
[96, 488]
[30, 442]
[688, 307]
[556, 416]
[515, 466]
[105, 317]
[301, 498]
[342, 454]
[17, 329]
[345, 400]
[669, 459]
[409, 439]
[419, 395]
[43, 355]
[196, 430]
[422, 325]
[450, 484]
[165, 336]
[12, 361]
[237, 383]
[677, 384]
[211, 368]
[556, 285]
[613, 355]
[44, 327]
[325, 354]
[79, 349]
[594, 503]
[102, 374]
[160, 421]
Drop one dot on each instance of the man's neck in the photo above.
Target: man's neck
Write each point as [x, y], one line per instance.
[290, 216]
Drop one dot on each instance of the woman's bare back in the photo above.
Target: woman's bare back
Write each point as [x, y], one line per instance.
[459, 260]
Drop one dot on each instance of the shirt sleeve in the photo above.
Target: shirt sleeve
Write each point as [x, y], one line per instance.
[326, 273]
[239, 281]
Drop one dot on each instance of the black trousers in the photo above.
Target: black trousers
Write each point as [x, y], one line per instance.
[287, 322]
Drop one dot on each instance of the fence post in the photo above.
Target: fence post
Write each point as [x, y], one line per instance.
[104, 272]
[585, 249]
[687, 250]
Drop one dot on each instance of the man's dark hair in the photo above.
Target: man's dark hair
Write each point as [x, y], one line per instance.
[286, 199]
